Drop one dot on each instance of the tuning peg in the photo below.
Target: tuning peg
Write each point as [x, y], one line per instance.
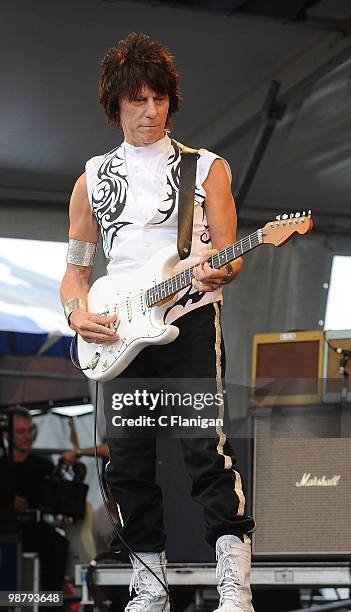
[278, 217]
[291, 215]
[285, 217]
[297, 215]
[304, 213]
[309, 213]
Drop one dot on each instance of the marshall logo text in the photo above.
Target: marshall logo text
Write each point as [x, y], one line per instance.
[313, 481]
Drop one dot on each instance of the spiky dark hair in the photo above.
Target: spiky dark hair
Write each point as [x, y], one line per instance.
[137, 61]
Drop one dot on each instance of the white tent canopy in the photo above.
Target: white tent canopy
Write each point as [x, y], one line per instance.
[51, 122]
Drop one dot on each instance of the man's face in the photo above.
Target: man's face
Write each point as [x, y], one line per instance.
[23, 434]
[143, 120]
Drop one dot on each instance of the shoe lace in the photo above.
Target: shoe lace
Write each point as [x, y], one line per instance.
[145, 588]
[227, 573]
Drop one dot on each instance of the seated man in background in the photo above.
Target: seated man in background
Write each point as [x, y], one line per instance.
[29, 472]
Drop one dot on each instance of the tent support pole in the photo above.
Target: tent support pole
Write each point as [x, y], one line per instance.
[271, 113]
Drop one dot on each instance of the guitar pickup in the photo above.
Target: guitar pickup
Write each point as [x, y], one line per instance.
[108, 313]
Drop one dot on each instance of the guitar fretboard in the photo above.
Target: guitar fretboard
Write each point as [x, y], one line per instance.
[184, 279]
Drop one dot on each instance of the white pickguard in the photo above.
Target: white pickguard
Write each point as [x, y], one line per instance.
[138, 326]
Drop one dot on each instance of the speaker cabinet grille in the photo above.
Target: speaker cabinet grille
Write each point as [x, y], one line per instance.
[302, 496]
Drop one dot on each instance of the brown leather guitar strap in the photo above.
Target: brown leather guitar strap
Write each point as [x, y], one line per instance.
[187, 179]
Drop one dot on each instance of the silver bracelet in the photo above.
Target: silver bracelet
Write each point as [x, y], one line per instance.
[80, 253]
[71, 305]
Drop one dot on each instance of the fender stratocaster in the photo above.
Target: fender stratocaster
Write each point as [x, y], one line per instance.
[141, 299]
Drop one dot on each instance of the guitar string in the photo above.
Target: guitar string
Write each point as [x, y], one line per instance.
[217, 260]
[157, 289]
[245, 244]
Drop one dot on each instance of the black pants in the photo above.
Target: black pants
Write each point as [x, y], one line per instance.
[197, 353]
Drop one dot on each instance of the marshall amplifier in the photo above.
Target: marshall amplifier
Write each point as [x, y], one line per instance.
[301, 493]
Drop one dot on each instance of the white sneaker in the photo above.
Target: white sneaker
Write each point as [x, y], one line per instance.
[150, 594]
[233, 575]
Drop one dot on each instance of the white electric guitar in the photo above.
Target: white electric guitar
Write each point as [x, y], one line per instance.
[141, 299]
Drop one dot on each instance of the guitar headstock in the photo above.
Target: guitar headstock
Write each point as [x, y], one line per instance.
[285, 226]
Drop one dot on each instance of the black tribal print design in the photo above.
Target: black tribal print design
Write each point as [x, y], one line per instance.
[205, 237]
[110, 193]
[190, 296]
[169, 202]
[110, 196]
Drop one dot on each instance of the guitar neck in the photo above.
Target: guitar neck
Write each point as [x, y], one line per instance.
[183, 279]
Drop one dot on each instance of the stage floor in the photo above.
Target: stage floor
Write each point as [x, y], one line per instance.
[302, 574]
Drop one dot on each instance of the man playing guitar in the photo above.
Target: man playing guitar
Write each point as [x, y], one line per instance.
[130, 195]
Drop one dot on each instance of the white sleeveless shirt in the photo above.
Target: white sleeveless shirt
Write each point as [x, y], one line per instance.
[133, 192]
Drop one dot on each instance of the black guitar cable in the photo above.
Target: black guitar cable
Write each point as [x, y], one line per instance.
[94, 562]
